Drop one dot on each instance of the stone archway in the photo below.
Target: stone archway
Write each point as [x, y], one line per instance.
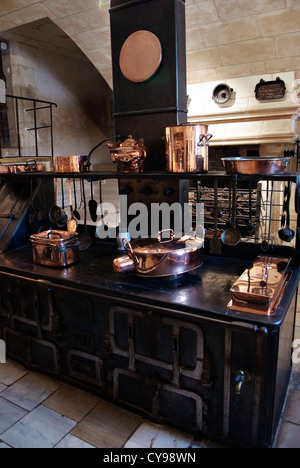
[86, 23]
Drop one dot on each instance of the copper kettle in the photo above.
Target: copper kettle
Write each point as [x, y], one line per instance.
[129, 156]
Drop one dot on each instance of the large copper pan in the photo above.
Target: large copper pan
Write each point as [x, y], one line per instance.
[161, 258]
[256, 165]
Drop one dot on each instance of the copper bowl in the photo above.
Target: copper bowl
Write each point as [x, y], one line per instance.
[256, 165]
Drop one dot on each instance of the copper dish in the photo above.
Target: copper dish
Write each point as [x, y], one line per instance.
[255, 165]
[261, 286]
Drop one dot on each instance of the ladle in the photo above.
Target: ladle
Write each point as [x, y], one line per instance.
[232, 236]
[55, 212]
[72, 224]
[76, 212]
[287, 234]
[93, 205]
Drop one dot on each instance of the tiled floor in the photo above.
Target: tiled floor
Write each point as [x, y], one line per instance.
[37, 411]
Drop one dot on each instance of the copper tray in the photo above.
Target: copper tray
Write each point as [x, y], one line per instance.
[261, 287]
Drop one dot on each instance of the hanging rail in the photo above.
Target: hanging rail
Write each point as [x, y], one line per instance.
[36, 127]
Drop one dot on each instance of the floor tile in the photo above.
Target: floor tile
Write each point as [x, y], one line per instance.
[289, 436]
[71, 441]
[150, 435]
[2, 387]
[3, 445]
[42, 428]
[71, 402]
[9, 414]
[31, 390]
[107, 426]
[204, 443]
[292, 409]
[11, 372]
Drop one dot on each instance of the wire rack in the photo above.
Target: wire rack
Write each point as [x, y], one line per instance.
[259, 215]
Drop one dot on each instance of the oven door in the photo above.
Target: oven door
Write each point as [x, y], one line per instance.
[256, 376]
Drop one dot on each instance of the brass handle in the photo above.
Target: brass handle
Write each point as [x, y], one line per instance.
[242, 376]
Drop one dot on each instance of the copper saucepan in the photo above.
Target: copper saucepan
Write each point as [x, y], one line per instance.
[30, 166]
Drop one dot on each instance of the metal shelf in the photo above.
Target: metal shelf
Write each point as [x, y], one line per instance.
[210, 176]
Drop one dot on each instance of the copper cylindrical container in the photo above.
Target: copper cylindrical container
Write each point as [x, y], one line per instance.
[187, 148]
[65, 164]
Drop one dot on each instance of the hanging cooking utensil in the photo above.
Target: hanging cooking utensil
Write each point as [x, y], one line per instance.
[264, 244]
[92, 205]
[72, 224]
[267, 242]
[85, 238]
[229, 220]
[232, 236]
[64, 218]
[215, 242]
[76, 212]
[286, 234]
[55, 211]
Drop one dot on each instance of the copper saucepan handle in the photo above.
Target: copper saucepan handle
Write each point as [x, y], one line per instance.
[206, 137]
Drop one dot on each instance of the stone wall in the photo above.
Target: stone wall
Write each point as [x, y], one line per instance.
[225, 38]
[46, 65]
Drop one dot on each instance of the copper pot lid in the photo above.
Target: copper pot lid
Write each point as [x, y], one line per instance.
[161, 245]
[140, 56]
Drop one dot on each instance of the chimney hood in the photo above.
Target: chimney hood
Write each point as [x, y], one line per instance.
[244, 120]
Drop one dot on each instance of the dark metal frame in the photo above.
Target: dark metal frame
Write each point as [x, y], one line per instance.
[35, 128]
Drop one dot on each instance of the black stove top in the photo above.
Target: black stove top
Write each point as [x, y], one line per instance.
[205, 291]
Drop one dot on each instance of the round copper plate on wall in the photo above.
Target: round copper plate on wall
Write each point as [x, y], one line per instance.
[140, 56]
